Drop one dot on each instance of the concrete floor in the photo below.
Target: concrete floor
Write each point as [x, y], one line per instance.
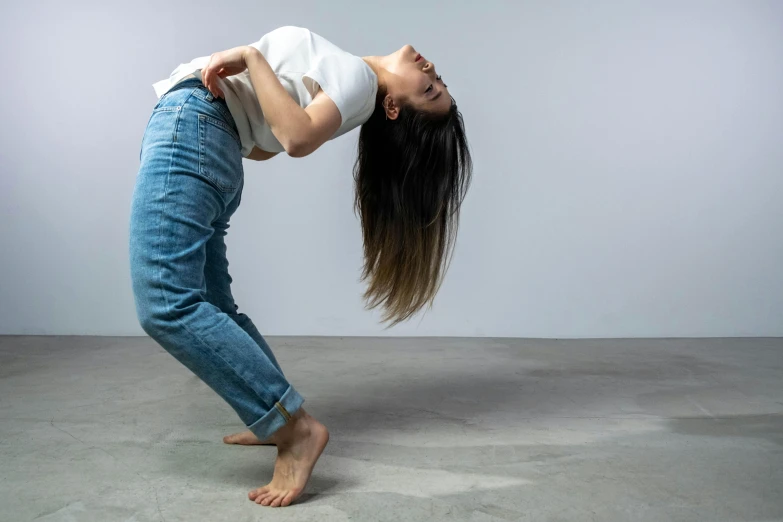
[105, 429]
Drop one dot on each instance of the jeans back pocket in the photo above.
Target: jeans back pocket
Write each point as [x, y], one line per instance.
[220, 154]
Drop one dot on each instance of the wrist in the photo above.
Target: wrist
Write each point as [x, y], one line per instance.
[248, 52]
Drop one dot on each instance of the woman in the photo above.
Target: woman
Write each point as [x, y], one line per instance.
[290, 92]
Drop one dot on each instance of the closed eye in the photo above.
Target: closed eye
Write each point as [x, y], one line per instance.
[437, 78]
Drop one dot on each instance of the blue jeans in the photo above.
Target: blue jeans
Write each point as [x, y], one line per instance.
[188, 186]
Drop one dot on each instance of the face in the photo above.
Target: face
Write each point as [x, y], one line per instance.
[412, 79]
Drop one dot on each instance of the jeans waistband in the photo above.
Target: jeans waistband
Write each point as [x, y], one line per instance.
[188, 83]
[204, 94]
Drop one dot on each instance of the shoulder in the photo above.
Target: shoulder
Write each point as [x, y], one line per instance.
[349, 82]
[289, 29]
[289, 33]
[348, 72]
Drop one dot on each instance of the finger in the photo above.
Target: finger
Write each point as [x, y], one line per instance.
[211, 82]
[215, 88]
[209, 85]
[205, 74]
[211, 69]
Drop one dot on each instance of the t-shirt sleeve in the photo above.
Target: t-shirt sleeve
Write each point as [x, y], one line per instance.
[344, 80]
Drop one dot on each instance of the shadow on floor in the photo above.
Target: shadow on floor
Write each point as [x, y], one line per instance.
[762, 426]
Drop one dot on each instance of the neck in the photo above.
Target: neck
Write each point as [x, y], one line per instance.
[376, 64]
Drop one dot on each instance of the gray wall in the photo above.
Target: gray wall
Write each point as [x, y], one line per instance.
[629, 166]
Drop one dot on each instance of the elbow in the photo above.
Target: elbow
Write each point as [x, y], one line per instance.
[297, 149]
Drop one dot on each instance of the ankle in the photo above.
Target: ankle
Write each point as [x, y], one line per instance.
[297, 427]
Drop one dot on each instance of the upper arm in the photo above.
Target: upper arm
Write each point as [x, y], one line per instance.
[324, 122]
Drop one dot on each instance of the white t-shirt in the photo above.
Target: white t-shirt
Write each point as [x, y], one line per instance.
[303, 62]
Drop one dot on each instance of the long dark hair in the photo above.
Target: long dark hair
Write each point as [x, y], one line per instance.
[411, 176]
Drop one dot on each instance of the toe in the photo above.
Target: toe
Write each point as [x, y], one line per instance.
[287, 499]
[257, 492]
[277, 501]
[245, 438]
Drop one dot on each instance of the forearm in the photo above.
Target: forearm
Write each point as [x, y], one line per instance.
[260, 155]
[283, 115]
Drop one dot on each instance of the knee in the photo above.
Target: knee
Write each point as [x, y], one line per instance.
[153, 309]
[167, 317]
[154, 323]
[162, 312]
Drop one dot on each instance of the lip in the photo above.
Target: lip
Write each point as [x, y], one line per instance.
[418, 57]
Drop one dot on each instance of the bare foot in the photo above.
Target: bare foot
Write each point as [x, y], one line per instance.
[247, 438]
[299, 444]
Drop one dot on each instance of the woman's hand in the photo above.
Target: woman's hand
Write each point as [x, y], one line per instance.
[222, 64]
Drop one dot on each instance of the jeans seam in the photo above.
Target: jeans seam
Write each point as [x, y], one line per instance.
[223, 125]
[198, 339]
[219, 106]
[176, 132]
[159, 277]
[155, 111]
[223, 188]
[283, 411]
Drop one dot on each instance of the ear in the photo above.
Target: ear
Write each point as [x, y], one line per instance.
[391, 108]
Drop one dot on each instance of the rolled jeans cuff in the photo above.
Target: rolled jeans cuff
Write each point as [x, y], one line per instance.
[280, 413]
